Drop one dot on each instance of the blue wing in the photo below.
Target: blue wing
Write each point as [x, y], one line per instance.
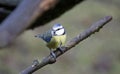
[47, 36]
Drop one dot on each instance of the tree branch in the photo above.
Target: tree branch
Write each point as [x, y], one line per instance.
[21, 18]
[50, 60]
[61, 7]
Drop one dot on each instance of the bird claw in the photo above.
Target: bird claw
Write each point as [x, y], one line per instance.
[60, 49]
[53, 54]
[53, 58]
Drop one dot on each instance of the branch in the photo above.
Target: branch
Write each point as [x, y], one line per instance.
[50, 60]
[60, 8]
[21, 18]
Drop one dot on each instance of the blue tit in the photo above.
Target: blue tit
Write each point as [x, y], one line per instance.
[54, 38]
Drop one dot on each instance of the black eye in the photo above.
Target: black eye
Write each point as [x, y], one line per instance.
[57, 29]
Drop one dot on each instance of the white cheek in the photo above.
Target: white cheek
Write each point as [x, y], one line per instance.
[60, 32]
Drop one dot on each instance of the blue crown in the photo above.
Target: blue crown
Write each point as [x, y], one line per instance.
[57, 25]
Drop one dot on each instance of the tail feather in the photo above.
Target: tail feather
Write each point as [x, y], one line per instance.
[46, 36]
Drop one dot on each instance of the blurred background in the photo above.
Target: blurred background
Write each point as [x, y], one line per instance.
[98, 54]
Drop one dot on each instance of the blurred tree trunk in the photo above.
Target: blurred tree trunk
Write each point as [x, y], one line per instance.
[29, 14]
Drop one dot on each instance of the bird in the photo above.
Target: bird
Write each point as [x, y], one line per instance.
[54, 38]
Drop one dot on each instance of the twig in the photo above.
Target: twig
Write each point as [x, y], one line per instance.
[50, 60]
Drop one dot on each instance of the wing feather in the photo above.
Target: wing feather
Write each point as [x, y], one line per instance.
[46, 36]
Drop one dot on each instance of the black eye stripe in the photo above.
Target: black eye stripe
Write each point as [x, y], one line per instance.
[59, 29]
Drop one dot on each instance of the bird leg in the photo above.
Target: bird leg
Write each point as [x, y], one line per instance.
[53, 54]
[60, 48]
[53, 57]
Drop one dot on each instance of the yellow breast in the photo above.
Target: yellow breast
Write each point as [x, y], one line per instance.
[56, 41]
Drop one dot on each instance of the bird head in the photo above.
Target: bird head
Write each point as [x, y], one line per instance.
[57, 30]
